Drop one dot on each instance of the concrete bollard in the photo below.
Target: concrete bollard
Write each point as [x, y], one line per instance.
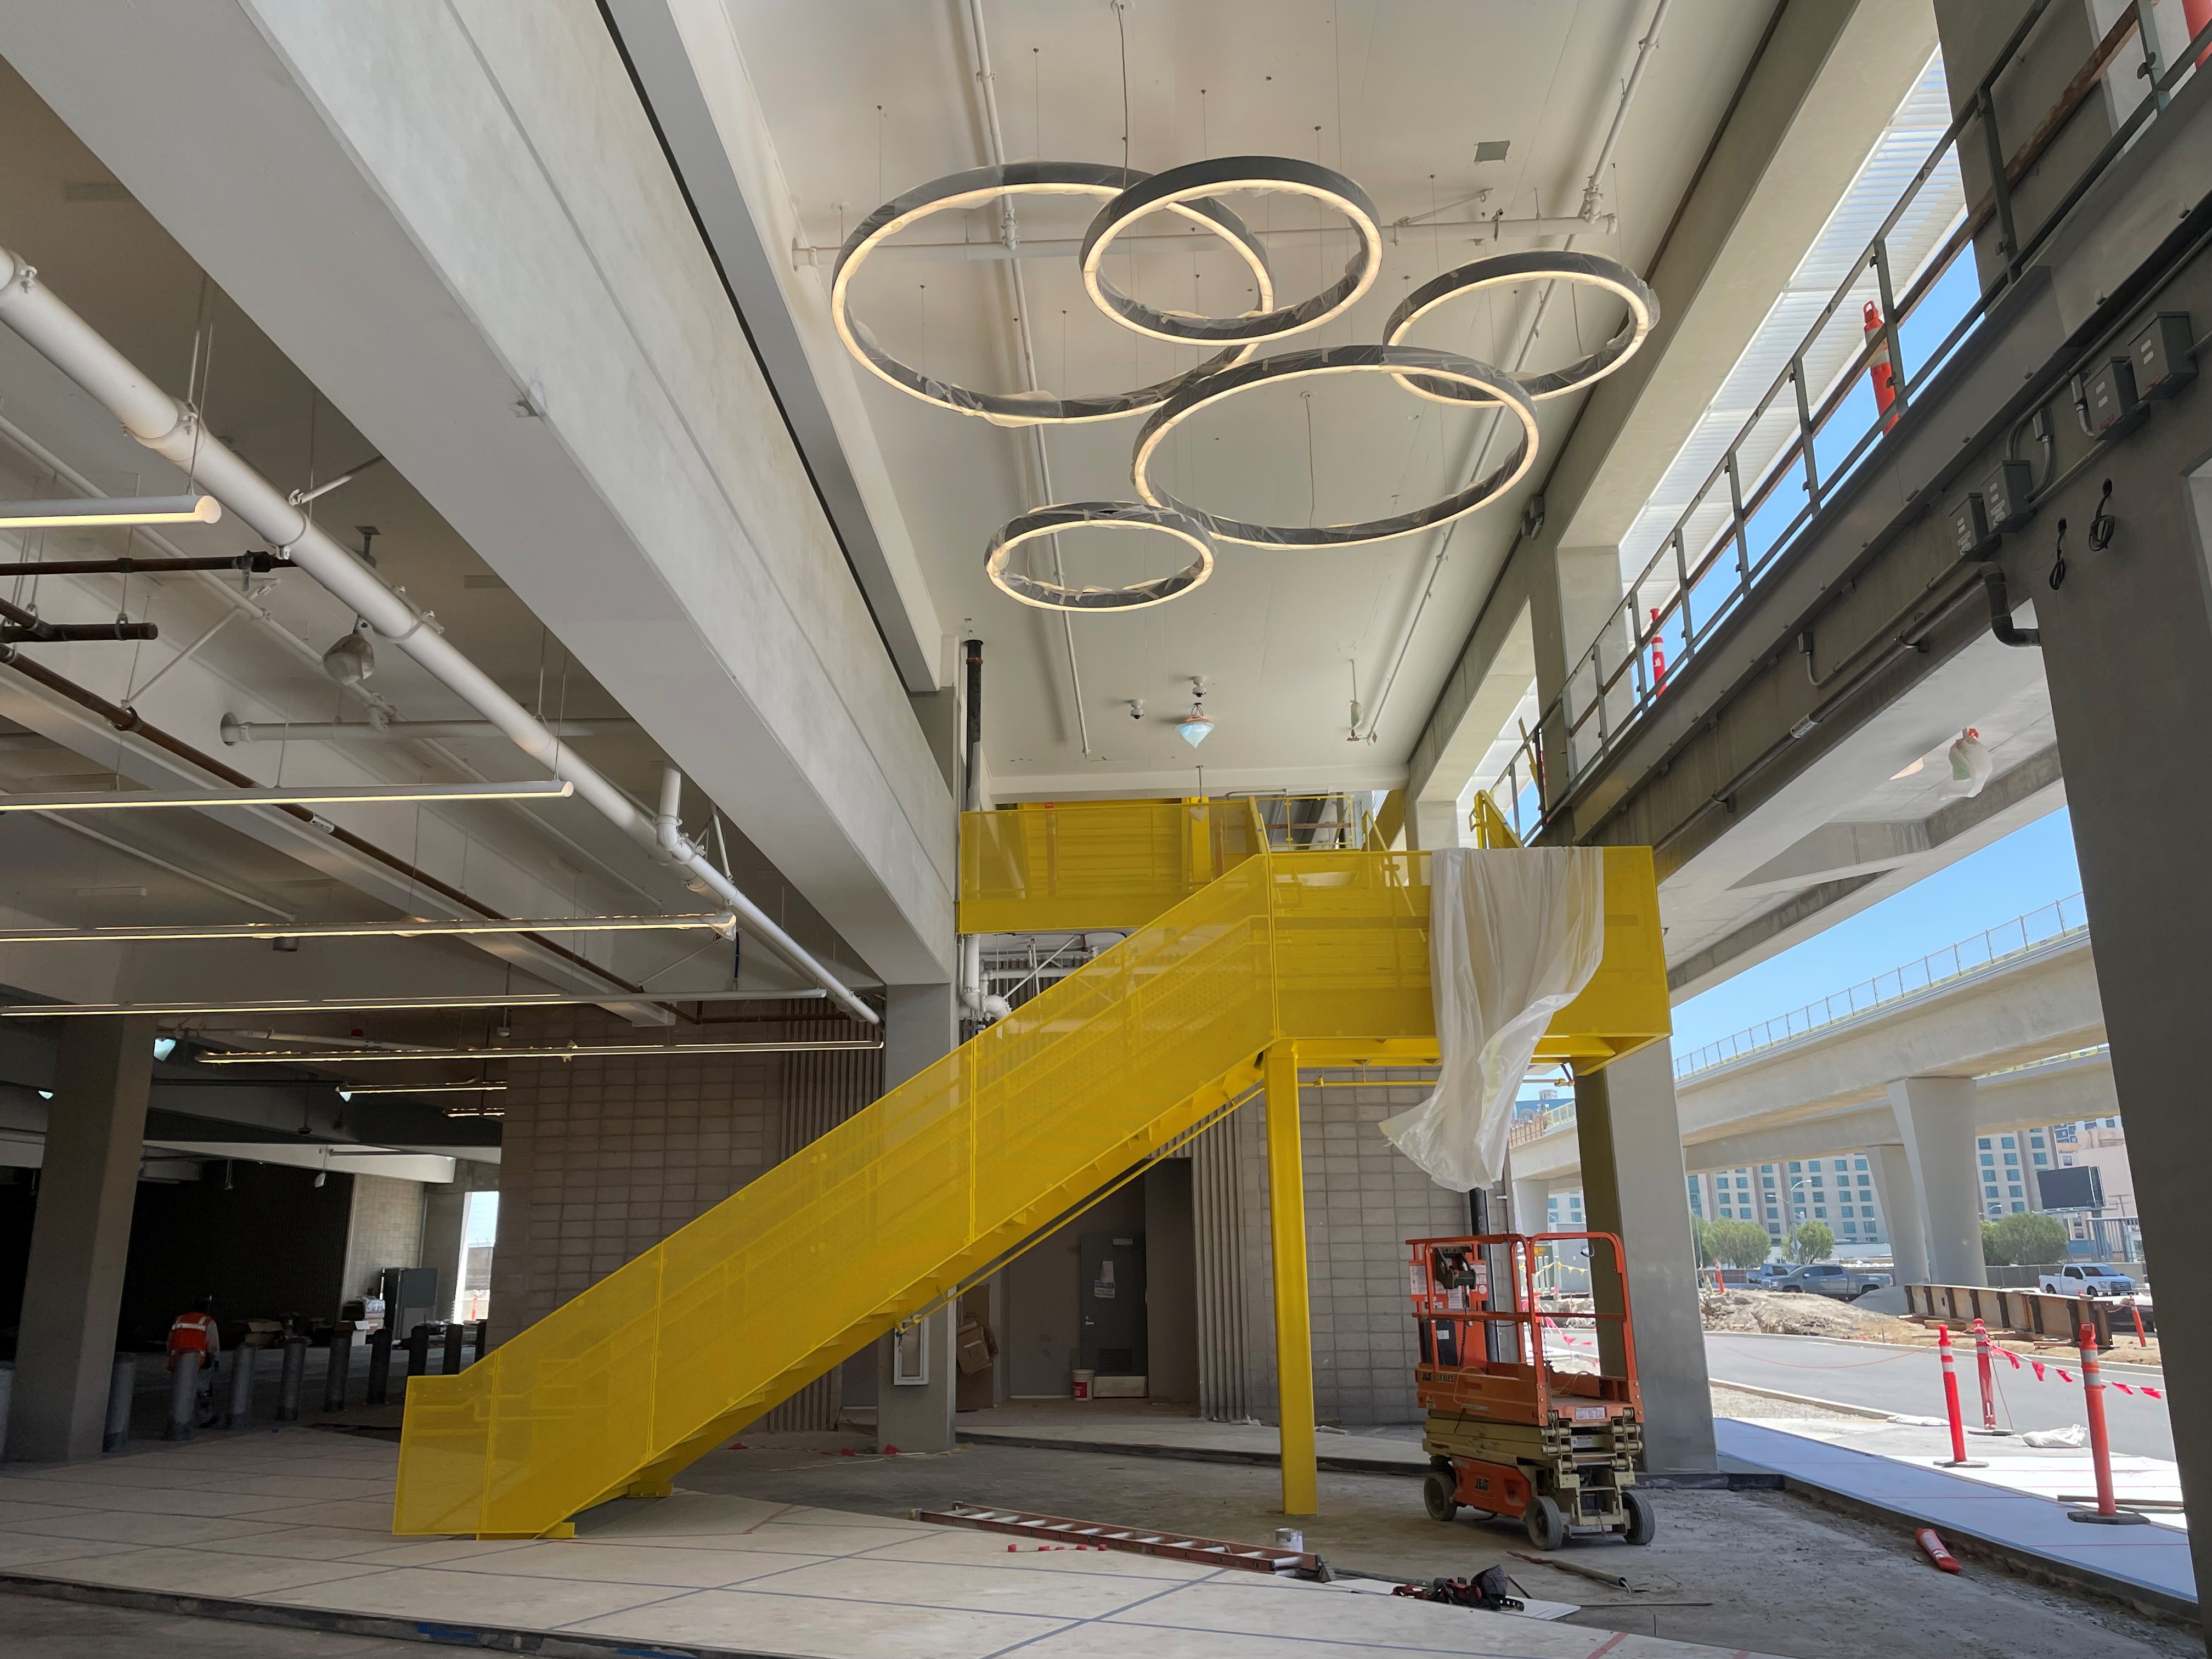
[454, 1332]
[184, 1394]
[289, 1380]
[379, 1366]
[241, 1388]
[418, 1353]
[121, 1388]
[339, 1372]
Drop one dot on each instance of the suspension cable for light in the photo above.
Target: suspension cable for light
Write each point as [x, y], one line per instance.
[299, 795]
[563, 1051]
[723, 923]
[92, 510]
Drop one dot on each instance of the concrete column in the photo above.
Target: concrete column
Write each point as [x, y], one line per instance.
[922, 1025]
[1900, 1197]
[1936, 1115]
[1531, 1205]
[95, 1132]
[1634, 1184]
[1436, 823]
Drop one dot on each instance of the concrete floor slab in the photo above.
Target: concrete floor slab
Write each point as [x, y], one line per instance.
[2154, 1561]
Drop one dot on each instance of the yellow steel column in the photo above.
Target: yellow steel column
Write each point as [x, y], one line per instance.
[1286, 1217]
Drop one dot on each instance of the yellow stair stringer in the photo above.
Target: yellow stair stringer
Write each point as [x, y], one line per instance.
[874, 1219]
[651, 1481]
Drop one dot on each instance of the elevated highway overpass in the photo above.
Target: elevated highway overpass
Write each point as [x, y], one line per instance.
[1913, 1077]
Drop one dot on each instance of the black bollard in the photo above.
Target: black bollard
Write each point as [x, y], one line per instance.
[122, 1385]
[418, 1353]
[184, 1394]
[288, 1387]
[242, 1387]
[339, 1371]
[454, 1332]
[379, 1366]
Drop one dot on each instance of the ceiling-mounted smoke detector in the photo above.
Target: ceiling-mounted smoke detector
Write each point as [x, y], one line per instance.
[351, 659]
[1195, 727]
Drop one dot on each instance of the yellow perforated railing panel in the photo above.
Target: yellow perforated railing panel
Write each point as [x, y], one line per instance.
[881, 1216]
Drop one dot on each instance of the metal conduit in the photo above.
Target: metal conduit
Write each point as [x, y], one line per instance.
[170, 429]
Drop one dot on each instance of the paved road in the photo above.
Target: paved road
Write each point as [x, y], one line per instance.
[1911, 1382]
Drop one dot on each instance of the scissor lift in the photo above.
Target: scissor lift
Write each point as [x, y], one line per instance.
[1533, 1414]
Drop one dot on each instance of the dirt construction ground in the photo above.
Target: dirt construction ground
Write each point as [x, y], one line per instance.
[1763, 1571]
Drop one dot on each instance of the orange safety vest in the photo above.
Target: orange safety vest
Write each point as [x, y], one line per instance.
[189, 1335]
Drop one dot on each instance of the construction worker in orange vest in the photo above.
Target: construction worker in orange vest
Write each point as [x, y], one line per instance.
[194, 1332]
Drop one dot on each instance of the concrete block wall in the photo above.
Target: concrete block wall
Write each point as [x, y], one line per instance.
[600, 1160]
[383, 1230]
[1363, 1199]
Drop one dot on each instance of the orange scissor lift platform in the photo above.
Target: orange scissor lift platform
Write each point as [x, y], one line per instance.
[1533, 1413]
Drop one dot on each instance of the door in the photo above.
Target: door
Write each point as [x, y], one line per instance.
[1112, 1291]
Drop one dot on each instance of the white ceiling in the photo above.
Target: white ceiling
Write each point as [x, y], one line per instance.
[866, 98]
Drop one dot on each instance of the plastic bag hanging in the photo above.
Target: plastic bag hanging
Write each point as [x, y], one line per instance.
[1514, 935]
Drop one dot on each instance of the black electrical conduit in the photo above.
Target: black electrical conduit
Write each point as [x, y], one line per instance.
[125, 718]
[25, 626]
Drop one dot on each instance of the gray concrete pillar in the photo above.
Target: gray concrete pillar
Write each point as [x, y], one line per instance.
[1634, 1185]
[1899, 1198]
[1436, 823]
[921, 1025]
[2117, 654]
[74, 1288]
[1935, 1116]
[1531, 1205]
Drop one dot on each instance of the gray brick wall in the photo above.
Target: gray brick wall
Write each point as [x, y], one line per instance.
[1363, 1199]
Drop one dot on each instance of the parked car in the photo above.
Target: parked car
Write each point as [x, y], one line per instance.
[1827, 1278]
[2088, 1279]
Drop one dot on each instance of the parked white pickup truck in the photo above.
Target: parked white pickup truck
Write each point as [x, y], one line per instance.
[2088, 1279]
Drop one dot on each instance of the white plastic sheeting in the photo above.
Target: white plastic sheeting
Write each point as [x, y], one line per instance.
[1514, 935]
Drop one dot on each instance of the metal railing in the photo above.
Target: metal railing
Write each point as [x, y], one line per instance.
[1733, 533]
[1993, 947]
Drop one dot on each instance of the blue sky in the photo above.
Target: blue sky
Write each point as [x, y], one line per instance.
[2030, 867]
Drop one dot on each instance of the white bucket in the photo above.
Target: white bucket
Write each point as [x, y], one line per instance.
[1082, 1380]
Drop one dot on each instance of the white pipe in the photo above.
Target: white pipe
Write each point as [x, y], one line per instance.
[1644, 49]
[236, 730]
[1009, 238]
[165, 426]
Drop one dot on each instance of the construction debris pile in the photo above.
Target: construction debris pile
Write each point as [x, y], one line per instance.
[1781, 1313]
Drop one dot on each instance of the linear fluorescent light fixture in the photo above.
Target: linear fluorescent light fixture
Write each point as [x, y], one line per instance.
[299, 795]
[396, 1005]
[479, 1087]
[109, 509]
[564, 1051]
[724, 922]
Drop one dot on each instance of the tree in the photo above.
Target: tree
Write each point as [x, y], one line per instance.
[1701, 1237]
[1810, 1241]
[2023, 1240]
[1739, 1243]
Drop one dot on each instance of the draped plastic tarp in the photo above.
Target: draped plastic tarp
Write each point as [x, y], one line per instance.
[1514, 935]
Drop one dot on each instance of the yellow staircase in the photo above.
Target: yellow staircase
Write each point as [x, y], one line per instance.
[1236, 948]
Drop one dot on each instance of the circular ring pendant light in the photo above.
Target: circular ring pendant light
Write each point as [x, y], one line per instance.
[975, 188]
[1480, 381]
[1590, 270]
[1179, 188]
[1098, 515]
